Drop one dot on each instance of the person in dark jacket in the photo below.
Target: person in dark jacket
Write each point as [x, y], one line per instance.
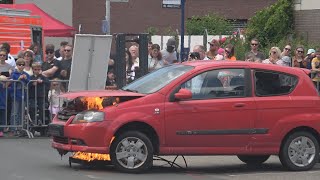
[17, 93]
[38, 95]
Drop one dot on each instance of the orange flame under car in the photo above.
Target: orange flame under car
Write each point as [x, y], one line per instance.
[91, 156]
[93, 102]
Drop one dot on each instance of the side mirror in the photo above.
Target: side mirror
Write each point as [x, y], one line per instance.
[183, 94]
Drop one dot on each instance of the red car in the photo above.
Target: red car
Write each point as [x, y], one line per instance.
[251, 110]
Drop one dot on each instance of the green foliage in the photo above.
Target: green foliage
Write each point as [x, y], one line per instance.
[215, 24]
[152, 31]
[169, 31]
[272, 24]
[239, 45]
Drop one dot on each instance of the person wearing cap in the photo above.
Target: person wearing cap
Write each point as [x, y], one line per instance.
[311, 54]
[213, 51]
[51, 67]
[169, 55]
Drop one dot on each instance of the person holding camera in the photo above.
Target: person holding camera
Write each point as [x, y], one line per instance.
[201, 50]
[193, 56]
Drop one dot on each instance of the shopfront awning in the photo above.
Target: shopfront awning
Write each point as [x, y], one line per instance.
[51, 26]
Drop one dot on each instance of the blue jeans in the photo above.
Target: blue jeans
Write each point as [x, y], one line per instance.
[2, 118]
[16, 116]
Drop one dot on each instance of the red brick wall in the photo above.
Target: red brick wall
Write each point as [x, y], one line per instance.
[307, 25]
[137, 15]
[88, 13]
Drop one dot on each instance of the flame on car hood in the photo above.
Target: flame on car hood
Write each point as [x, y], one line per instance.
[100, 93]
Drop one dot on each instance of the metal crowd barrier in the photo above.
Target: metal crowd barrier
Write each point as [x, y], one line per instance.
[37, 107]
[14, 114]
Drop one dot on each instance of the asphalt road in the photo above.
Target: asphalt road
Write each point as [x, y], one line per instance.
[34, 159]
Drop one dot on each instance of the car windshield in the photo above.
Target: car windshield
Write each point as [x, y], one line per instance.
[156, 80]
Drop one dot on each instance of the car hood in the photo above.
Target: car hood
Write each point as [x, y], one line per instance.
[100, 93]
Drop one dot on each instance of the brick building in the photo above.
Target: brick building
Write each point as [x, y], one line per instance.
[307, 15]
[137, 15]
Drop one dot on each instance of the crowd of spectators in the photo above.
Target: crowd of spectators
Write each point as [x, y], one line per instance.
[158, 58]
[35, 78]
[43, 77]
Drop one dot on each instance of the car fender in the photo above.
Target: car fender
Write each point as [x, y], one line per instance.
[125, 118]
[285, 125]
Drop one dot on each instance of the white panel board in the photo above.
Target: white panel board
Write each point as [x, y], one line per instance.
[90, 62]
[195, 40]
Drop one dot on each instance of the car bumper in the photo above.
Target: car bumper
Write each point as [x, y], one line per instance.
[84, 137]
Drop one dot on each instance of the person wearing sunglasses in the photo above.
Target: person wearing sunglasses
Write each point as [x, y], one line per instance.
[229, 53]
[9, 59]
[299, 60]
[285, 55]
[17, 91]
[274, 57]
[213, 54]
[66, 63]
[254, 50]
[51, 67]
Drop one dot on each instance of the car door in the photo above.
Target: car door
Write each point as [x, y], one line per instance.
[220, 114]
[272, 95]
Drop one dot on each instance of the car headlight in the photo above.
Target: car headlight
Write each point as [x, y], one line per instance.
[88, 117]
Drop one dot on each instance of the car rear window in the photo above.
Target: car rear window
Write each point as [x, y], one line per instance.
[270, 83]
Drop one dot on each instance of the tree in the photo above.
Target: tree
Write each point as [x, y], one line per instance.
[215, 24]
[272, 24]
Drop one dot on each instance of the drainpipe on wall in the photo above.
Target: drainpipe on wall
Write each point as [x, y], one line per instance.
[108, 16]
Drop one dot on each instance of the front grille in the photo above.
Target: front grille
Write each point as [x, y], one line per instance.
[64, 115]
[61, 140]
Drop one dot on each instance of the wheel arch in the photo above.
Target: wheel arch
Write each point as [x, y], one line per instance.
[142, 127]
[299, 129]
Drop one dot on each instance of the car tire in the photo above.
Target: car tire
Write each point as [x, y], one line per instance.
[132, 152]
[253, 159]
[299, 151]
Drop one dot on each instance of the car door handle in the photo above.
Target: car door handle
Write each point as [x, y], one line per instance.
[238, 105]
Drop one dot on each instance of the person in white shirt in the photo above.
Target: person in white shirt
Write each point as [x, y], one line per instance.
[134, 51]
[202, 52]
[10, 60]
[155, 62]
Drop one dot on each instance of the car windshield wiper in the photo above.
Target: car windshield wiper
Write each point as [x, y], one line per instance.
[130, 90]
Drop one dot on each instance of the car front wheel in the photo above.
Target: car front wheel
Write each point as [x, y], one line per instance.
[300, 151]
[253, 159]
[132, 152]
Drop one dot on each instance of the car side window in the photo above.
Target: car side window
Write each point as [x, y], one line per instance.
[273, 83]
[221, 83]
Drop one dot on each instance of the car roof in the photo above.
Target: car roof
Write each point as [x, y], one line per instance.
[202, 64]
